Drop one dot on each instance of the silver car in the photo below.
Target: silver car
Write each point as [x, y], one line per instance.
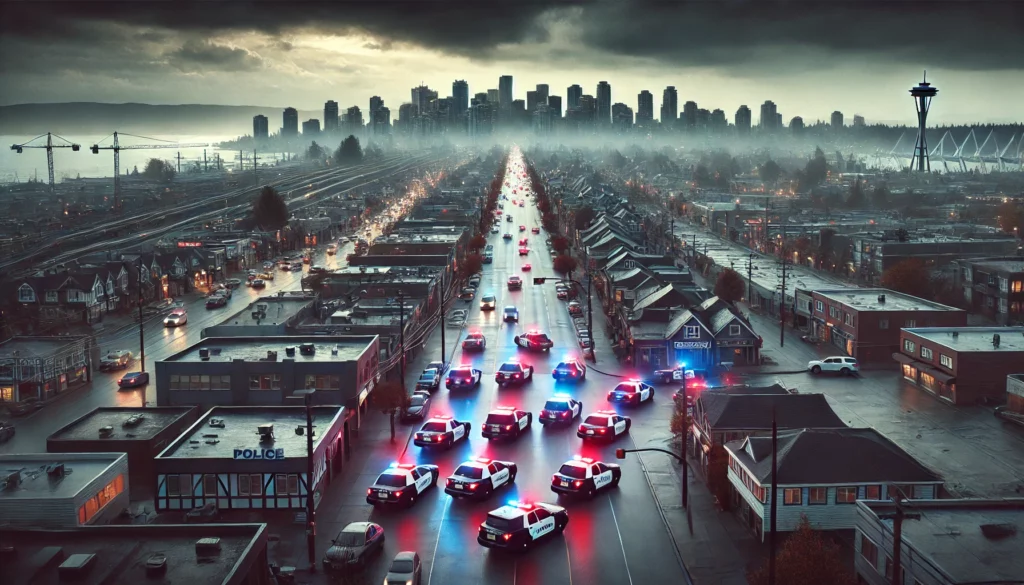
[405, 569]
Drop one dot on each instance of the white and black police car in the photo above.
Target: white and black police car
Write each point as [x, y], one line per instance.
[463, 377]
[582, 476]
[506, 422]
[480, 477]
[631, 392]
[518, 525]
[441, 431]
[401, 484]
[513, 372]
[571, 369]
[604, 425]
[560, 409]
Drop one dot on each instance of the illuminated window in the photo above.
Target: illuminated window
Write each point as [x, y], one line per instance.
[846, 495]
[793, 496]
[926, 353]
[96, 503]
[873, 492]
[692, 332]
[946, 361]
[909, 346]
[817, 495]
[1017, 287]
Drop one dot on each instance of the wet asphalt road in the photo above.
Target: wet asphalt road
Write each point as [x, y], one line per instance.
[618, 537]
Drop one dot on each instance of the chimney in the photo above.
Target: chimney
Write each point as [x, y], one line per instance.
[881, 299]
[995, 340]
[956, 335]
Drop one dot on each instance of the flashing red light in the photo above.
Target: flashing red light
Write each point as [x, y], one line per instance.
[473, 486]
[515, 375]
[508, 427]
[398, 494]
[602, 431]
[368, 491]
[443, 417]
[406, 466]
[583, 429]
[606, 412]
[506, 536]
[506, 408]
[577, 483]
[565, 414]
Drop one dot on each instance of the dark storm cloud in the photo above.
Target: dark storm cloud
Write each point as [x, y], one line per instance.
[977, 34]
[198, 56]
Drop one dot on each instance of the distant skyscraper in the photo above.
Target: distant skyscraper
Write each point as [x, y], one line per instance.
[858, 121]
[717, 121]
[778, 120]
[311, 127]
[406, 112]
[380, 120]
[669, 106]
[532, 101]
[644, 108]
[604, 103]
[543, 91]
[796, 125]
[422, 97]
[290, 122]
[588, 105]
[622, 117]
[689, 115]
[494, 97]
[572, 97]
[331, 116]
[555, 106]
[353, 120]
[505, 92]
[460, 97]
[769, 115]
[742, 120]
[837, 120]
[702, 119]
[260, 127]
[518, 114]
[480, 97]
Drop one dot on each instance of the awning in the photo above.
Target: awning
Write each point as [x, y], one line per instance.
[939, 375]
[905, 359]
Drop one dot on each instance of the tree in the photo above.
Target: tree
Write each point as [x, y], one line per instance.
[880, 197]
[135, 171]
[814, 172]
[560, 244]
[390, 397]
[857, 198]
[471, 264]
[269, 210]
[770, 172]
[807, 557]
[730, 287]
[349, 150]
[910, 277]
[584, 215]
[616, 160]
[564, 264]
[316, 152]
[478, 241]
[158, 170]
[1010, 218]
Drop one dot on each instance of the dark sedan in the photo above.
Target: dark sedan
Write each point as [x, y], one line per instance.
[133, 380]
[418, 406]
[353, 546]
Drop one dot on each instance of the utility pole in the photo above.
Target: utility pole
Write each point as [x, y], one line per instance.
[441, 309]
[401, 333]
[773, 541]
[179, 162]
[310, 482]
[782, 304]
[750, 279]
[686, 438]
[206, 165]
[255, 172]
[897, 518]
[764, 245]
[142, 335]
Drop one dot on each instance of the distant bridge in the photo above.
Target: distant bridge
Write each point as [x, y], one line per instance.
[949, 157]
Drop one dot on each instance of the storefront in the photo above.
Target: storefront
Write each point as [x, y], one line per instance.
[927, 377]
[695, 354]
[738, 352]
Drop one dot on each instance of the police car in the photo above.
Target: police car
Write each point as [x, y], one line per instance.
[534, 341]
[513, 372]
[518, 525]
[560, 408]
[571, 369]
[480, 477]
[506, 421]
[584, 477]
[401, 484]
[441, 431]
[631, 392]
[604, 424]
[463, 377]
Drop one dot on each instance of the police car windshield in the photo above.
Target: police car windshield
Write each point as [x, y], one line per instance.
[500, 419]
[566, 366]
[504, 525]
[573, 471]
[417, 400]
[598, 421]
[556, 405]
[509, 368]
[435, 427]
[460, 374]
[391, 480]
[625, 387]
[470, 472]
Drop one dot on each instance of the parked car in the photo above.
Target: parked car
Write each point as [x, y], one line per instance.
[458, 315]
[133, 380]
[353, 546]
[417, 407]
[233, 283]
[117, 359]
[6, 431]
[575, 308]
[26, 406]
[467, 294]
[216, 302]
[841, 364]
[429, 380]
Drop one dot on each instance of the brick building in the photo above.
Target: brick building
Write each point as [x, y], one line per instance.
[963, 365]
[866, 323]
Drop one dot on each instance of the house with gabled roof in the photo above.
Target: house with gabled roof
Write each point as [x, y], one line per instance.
[175, 275]
[820, 474]
[736, 343]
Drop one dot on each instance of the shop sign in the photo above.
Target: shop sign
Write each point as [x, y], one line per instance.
[693, 345]
[260, 453]
[735, 343]
[190, 244]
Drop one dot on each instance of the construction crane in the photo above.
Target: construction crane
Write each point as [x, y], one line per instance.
[49, 146]
[117, 148]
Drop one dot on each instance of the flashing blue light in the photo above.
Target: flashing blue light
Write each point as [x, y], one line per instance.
[682, 364]
[577, 458]
[562, 395]
[393, 464]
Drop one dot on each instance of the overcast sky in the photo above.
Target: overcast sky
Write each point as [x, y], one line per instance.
[810, 58]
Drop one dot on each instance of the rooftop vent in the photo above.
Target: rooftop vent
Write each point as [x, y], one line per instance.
[995, 340]
[134, 420]
[266, 431]
[334, 350]
[307, 349]
[55, 470]
[204, 353]
[217, 422]
[156, 565]
[362, 269]
[998, 531]
[956, 335]
[300, 430]
[290, 350]
[208, 547]
[106, 432]
[76, 567]
[11, 479]
[881, 299]
[271, 355]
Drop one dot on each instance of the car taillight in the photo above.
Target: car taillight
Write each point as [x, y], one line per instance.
[577, 483]
[602, 431]
[565, 415]
[583, 429]
[508, 427]
[398, 494]
[544, 413]
[438, 438]
[573, 374]
[515, 375]
[368, 491]
[119, 380]
[554, 372]
[554, 477]
[450, 482]
[506, 536]
[473, 486]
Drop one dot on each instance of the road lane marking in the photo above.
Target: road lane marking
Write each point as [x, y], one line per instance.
[568, 559]
[621, 545]
[433, 559]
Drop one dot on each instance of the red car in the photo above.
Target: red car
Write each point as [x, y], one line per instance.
[523, 251]
[522, 228]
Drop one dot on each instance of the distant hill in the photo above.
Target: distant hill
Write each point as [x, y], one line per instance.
[146, 119]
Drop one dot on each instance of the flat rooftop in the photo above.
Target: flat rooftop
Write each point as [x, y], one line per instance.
[153, 421]
[252, 349]
[279, 309]
[1012, 266]
[41, 347]
[121, 553]
[202, 441]
[1011, 339]
[80, 469]
[867, 299]
[950, 534]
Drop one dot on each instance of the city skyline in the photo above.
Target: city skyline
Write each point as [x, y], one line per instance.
[348, 58]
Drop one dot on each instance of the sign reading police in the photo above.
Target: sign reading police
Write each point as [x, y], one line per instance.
[269, 454]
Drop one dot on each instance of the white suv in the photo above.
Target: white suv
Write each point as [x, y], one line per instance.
[843, 365]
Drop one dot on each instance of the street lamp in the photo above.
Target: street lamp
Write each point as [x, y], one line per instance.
[621, 454]
[307, 398]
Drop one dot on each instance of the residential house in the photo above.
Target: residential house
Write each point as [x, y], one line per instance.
[175, 279]
[820, 475]
[42, 367]
[993, 287]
